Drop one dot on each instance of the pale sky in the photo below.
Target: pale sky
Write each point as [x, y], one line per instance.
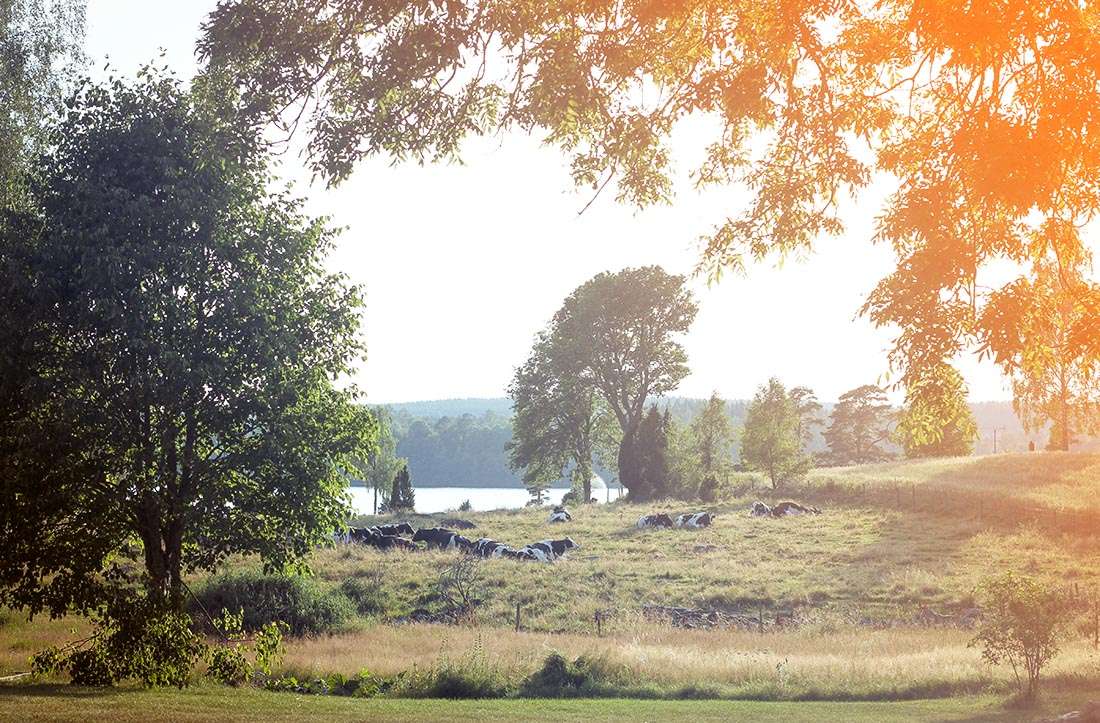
[463, 264]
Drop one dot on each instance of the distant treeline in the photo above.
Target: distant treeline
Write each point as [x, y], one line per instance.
[460, 442]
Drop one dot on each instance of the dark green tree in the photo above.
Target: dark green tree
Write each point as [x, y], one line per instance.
[177, 339]
[652, 450]
[402, 497]
[772, 442]
[859, 425]
[936, 421]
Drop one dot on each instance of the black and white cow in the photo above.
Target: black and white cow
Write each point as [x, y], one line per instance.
[560, 514]
[401, 528]
[485, 547]
[786, 509]
[657, 520]
[695, 519]
[436, 537]
[524, 555]
[759, 509]
[552, 549]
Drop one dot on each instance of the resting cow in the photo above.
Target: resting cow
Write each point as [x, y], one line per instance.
[552, 549]
[759, 509]
[436, 537]
[695, 519]
[401, 528]
[658, 520]
[560, 514]
[784, 509]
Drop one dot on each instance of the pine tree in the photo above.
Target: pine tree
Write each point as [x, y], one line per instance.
[402, 498]
[859, 425]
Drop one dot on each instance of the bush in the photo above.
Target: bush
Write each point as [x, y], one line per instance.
[584, 677]
[297, 601]
[366, 595]
[465, 506]
[1022, 623]
[708, 489]
[135, 638]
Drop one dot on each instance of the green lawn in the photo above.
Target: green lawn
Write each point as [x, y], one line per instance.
[59, 703]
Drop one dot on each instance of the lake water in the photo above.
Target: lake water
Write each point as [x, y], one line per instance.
[441, 499]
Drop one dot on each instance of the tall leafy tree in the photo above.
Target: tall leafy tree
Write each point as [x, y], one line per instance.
[986, 114]
[712, 435]
[860, 424]
[181, 338]
[772, 440]
[378, 468]
[556, 415]
[936, 421]
[617, 333]
[1054, 380]
[41, 41]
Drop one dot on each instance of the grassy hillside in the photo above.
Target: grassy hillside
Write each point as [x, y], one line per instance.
[892, 539]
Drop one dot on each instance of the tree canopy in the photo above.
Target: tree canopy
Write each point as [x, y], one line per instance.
[613, 341]
[859, 426]
[773, 440]
[936, 421]
[983, 117]
[169, 378]
[39, 42]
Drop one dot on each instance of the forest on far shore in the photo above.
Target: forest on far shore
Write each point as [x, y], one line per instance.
[461, 442]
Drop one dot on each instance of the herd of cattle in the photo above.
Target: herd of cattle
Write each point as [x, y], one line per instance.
[393, 537]
[396, 536]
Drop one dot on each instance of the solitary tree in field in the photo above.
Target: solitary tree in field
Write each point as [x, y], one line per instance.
[177, 342]
[609, 348]
[772, 440]
[618, 331]
[936, 420]
[859, 425]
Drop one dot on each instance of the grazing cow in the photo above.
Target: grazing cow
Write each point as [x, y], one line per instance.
[658, 520]
[695, 519]
[560, 514]
[436, 537]
[784, 509]
[759, 509]
[401, 528]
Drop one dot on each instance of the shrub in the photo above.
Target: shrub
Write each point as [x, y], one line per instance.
[1022, 622]
[584, 677]
[708, 489]
[366, 595]
[135, 638]
[297, 601]
[465, 506]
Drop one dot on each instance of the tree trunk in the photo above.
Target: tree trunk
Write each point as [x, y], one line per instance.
[629, 474]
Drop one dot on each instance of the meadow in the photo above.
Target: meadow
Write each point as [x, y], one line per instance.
[870, 601]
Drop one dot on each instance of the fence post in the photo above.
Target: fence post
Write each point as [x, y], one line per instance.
[517, 617]
[599, 628]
